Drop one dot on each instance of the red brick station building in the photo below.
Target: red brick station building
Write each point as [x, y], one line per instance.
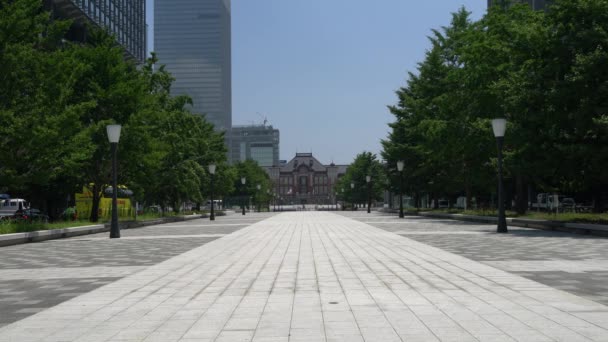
[305, 180]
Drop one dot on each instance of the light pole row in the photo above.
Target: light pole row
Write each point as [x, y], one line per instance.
[499, 127]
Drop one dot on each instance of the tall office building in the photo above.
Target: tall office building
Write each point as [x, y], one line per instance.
[192, 38]
[535, 4]
[256, 142]
[125, 19]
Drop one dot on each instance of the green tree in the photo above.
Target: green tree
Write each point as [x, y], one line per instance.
[365, 164]
[576, 96]
[43, 147]
[254, 175]
[436, 132]
[57, 98]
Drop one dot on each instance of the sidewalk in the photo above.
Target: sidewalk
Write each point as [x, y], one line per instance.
[563, 226]
[318, 276]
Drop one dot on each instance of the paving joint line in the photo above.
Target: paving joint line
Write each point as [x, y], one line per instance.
[244, 252]
[439, 262]
[366, 289]
[295, 285]
[340, 282]
[159, 287]
[277, 239]
[421, 293]
[314, 263]
[274, 281]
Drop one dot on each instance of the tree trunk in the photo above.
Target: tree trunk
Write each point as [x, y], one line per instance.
[469, 195]
[94, 217]
[435, 201]
[467, 188]
[597, 201]
[521, 194]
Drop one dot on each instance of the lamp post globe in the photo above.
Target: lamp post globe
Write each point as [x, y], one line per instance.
[499, 126]
[212, 168]
[113, 132]
[400, 165]
[243, 182]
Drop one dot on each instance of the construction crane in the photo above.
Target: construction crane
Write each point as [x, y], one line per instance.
[264, 118]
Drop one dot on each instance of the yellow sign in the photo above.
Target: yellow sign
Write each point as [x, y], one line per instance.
[84, 204]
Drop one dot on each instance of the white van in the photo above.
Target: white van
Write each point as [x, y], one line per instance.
[8, 207]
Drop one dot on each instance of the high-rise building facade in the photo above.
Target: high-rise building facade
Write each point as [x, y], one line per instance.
[125, 19]
[259, 143]
[192, 38]
[535, 4]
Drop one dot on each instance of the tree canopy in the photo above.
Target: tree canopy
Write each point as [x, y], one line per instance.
[56, 98]
[545, 72]
[365, 164]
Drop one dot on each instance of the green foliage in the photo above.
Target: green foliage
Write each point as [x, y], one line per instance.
[254, 175]
[546, 72]
[365, 164]
[56, 98]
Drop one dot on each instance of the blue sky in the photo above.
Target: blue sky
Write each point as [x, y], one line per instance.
[323, 71]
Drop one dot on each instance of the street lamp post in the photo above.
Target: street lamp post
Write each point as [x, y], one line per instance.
[352, 188]
[212, 173]
[268, 199]
[243, 181]
[113, 136]
[499, 127]
[400, 165]
[258, 196]
[368, 179]
[336, 200]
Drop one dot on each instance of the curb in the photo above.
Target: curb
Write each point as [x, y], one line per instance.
[51, 234]
[575, 228]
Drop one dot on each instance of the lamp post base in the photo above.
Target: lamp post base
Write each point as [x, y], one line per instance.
[502, 226]
[114, 233]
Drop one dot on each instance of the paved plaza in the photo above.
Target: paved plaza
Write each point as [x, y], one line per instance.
[307, 276]
[571, 262]
[37, 276]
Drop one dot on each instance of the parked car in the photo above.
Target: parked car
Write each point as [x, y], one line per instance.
[10, 206]
[568, 204]
[30, 215]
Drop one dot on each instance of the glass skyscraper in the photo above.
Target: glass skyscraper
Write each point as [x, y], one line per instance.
[535, 4]
[192, 38]
[259, 143]
[125, 19]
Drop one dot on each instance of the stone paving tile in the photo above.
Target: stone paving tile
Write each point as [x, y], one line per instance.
[36, 276]
[574, 263]
[94, 252]
[318, 277]
[35, 295]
